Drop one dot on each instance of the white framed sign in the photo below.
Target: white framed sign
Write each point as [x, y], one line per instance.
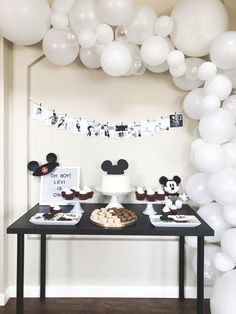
[53, 183]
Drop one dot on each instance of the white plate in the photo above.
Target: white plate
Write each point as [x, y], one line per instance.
[192, 221]
[38, 219]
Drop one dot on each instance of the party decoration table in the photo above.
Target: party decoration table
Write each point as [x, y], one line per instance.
[143, 227]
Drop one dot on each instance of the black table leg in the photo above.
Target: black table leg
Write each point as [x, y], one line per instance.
[20, 275]
[200, 275]
[181, 268]
[42, 267]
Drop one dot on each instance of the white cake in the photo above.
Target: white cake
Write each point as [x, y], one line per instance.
[115, 183]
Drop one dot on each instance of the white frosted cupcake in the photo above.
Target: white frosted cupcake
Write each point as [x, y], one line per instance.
[150, 194]
[89, 191]
[160, 195]
[140, 194]
[83, 195]
[69, 195]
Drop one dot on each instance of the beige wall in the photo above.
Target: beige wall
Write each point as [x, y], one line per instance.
[93, 95]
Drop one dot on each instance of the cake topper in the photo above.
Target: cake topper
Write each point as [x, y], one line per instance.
[119, 168]
[39, 171]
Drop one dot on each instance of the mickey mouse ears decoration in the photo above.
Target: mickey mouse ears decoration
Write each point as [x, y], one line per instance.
[119, 168]
[39, 171]
[163, 180]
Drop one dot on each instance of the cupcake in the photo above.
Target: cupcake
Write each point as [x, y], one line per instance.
[160, 195]
[173, 210]
[83, 195]
[76, 192]
[64, 192]
[150, 194]
[69, 195]
[55, 209]
[165, 214]
[140, 194]
[73, 189]
[89, 191]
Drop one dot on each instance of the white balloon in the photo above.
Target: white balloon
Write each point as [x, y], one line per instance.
[98, 48]
[138, 67]
[229, 213]
[210, 157]
[223, 186]
[213, 215]
[141, 25]
[115, 12]
[154, 50]
[222, 262]
[87, 39]
[121, 33]
[89, 58]
[175, 58]
[191, 241]
[230, 105]
[228, 244]
[178, 71]
[207, 71]
[196, 144]
[24, 22]
[231, 74]
[217, 126]
[230, 153]
[71, 38]
[164, 26]
[223, 296]
[197, 188]
[104, 33]
[220, 86]
[211, 274]
[62, 5]
[59, 20]
[83, 15]
[116, 59]
[192, 103]
[195, 28]
[210, 103]
[223, 51]
[56, 48]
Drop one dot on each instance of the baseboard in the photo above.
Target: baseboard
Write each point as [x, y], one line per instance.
[109, 292]
[4, 297]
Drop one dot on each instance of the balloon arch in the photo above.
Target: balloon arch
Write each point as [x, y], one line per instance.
[196, 47]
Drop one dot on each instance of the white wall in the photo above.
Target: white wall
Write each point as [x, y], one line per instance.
[77, 262]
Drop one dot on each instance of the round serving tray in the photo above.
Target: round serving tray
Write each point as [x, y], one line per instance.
[123, 225]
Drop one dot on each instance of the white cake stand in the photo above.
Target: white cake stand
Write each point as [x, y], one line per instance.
[149, 209]
[114, 201]
[77, 209]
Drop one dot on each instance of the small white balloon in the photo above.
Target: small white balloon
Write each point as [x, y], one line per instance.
[121, 33]
[220, 86]
[191, 241]
[71, 38]
[230, 105]
[178, 71]
[104, 34]
[175, 58]
[228, 244]
[192, 103]
[230, 153]
[210, 103]
[222, 262]
[87, 39]
[154, 50]
[217, 126]
[196, 144]
[164, 26]
[89, 58]
[207, 71]
[63, 6]
[116, 59]
[229, 213]
[59, 20]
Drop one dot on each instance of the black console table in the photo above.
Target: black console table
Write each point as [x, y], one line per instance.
[142, 227]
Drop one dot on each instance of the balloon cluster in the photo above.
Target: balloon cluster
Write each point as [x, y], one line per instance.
[199, 52]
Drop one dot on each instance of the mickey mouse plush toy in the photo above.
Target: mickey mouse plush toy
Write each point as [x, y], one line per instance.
[171, 188]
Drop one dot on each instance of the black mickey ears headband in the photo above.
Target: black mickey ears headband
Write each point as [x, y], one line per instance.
[163, 180]
[39, 171]
[119, 168]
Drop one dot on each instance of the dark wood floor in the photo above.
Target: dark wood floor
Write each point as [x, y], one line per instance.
[105, 306]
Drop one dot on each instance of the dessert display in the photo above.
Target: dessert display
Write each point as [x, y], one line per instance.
[175, 221]
[77, 193]
[160, 195]
[140, 194]
[113, 217]
[115, 181]
[55, 219]
[150, 195]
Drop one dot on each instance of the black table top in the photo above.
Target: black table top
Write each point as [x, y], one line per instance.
[142, 227]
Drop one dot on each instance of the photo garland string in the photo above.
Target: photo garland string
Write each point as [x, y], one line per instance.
[92, 128]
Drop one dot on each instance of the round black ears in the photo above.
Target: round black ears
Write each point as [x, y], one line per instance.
[33, 165]
[51, 157]
[106, 165]
[163, 180]
[123, 164]
[177, 179]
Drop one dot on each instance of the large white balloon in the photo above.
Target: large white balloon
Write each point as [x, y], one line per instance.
[196, 144]
[211, 274]
[210, 157]
[83, 15]
[230, 105]
[192, 103]
[231, 74]
[24, 22]
[213, 214]
[210, 103]
[223, 297]
[195, 28]
[207, 71]
[141, 25]
[116, 59]
[222, 262]
[230, 153]
[223, 51]
[154, 50]
[115, 12]
[217, 126]
[220, 86]
[228, 244]
[89, 58]
[62, 5]
[164, 26]
[56, 48]
[223, 186]
[197, 188]
[104, 34]
[229, 213]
